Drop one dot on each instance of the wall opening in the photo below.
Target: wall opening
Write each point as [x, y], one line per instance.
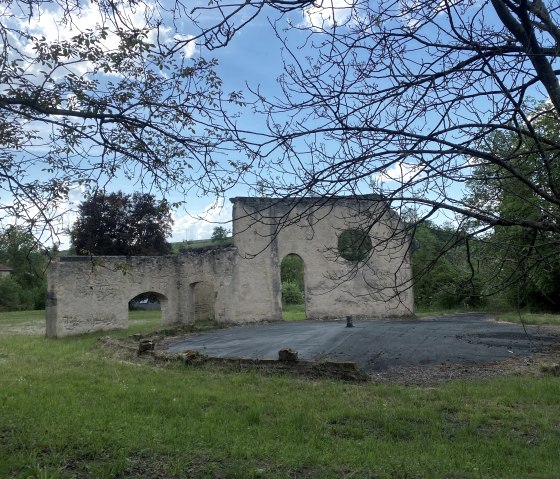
[354, 244]
[147, 307]
[203, 298]
[292, 274]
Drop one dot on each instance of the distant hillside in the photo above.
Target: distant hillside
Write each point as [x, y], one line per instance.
[199, 244]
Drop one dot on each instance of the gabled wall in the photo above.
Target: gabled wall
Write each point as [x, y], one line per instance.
[266, 230]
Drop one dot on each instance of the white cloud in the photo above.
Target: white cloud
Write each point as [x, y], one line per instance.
[189, 50]
[194, 226]
[61, 215]
[400, 172]
[326, 13]
[48, 23]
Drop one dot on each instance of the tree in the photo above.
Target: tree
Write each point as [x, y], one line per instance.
[527, 261]
[26, 287]
[219, 234]
[109, 93]
[291, 271]
[442, 269]
[399, 98]
[292, 278]
[404, 98]
[120, 224]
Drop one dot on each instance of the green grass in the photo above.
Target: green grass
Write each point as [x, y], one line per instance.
[434, 312]
[21, 318]
[510, 316]
[293, 312]
[529, 318]
[204, 243]
[68, 410]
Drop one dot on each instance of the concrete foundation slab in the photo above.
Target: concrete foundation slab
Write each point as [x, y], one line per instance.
[378, 345]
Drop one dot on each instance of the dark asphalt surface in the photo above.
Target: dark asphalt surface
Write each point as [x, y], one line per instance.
[377, 344]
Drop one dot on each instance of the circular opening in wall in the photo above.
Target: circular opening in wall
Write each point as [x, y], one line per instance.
[354, 244]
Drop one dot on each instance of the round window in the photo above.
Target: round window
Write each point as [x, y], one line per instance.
[354, 244]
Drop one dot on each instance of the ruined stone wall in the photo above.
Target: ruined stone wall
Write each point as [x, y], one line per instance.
[242, 283]
[86, 295]
[206, 282]
[266, 230]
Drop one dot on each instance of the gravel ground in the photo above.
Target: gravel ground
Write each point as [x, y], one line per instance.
[545, 362]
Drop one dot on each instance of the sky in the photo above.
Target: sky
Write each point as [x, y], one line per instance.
[252, 58]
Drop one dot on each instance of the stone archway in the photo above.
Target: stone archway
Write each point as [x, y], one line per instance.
[146, 305]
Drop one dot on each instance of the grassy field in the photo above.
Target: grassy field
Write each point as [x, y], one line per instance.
[70, 410]
[204, 243]
[529, 318]
[525, 317]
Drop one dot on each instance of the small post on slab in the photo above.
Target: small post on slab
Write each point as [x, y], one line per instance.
[349, 323]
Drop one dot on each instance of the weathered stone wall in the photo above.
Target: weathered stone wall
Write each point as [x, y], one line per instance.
[242, 283]
[86, 295]
[267, 230]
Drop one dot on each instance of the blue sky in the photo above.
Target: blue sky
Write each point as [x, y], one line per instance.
[253, 57]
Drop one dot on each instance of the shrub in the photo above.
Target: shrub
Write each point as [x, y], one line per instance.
[291, 294]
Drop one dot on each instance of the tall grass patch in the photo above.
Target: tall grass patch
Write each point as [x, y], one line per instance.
[529, 318]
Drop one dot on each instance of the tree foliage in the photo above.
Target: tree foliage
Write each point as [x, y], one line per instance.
[25, 288]
[400, 97]
[120, 224]
[443, 271]
[109, 94]
[292, 279]
[292, 271]
[525, 261]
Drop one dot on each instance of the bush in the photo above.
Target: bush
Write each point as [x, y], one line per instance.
[13, 297]
[291, 294]
[291, 270]
[9, 294]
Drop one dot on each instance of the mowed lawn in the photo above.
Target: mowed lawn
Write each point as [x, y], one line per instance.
[68, 409]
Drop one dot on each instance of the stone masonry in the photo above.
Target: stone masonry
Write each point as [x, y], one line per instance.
[241, 283]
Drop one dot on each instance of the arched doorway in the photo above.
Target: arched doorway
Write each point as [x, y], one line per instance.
[203, 298]
[147, 308]
[292, 275]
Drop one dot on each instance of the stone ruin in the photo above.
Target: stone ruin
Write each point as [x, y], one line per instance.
[365, 276]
